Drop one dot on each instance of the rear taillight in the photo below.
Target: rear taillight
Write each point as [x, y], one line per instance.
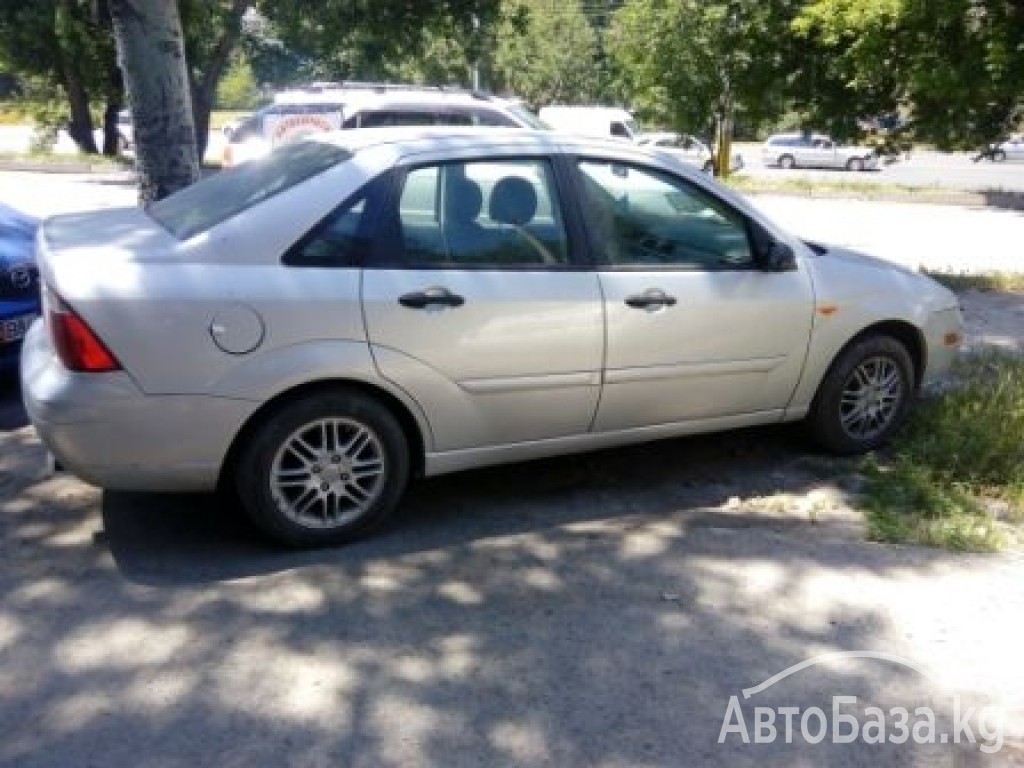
[78, 347]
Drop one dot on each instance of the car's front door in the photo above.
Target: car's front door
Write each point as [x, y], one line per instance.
[473, 304]
[696, 331]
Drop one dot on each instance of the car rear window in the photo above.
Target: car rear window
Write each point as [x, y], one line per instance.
[207, 203]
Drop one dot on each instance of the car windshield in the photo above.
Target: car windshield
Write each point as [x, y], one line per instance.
[208, 202]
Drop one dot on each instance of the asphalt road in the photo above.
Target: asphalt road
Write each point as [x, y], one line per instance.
[922, 169]
[600, 610]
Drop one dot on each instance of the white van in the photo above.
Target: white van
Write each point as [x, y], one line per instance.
[330, 106]
[591, 121]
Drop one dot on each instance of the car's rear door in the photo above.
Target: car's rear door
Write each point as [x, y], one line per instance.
[475, 305]
[696, 331]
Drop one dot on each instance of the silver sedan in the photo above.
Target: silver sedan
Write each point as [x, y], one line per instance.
[315, 328]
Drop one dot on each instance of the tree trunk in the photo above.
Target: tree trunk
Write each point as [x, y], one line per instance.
[152, 56]
[111, 134]
[80, 124]
[204, 90]
[113, 143]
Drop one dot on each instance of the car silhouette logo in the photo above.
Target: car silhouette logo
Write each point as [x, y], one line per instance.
[21, 278]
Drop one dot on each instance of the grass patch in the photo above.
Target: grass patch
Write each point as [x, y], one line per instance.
[987, 282]
[954, 477]
[53, 158]
[806, 185]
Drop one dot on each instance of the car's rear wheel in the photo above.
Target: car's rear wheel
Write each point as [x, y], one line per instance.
[865, 396]
[786, 162]
[323, 469]
[709, 167]
[855, 164]
[999, 156]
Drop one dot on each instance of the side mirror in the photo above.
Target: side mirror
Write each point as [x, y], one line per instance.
[778, 257]
[771, 255]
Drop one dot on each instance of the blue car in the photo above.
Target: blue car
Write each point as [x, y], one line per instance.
[19, 283]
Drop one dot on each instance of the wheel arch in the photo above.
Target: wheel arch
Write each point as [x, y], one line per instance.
[909, 335]
[415, 438]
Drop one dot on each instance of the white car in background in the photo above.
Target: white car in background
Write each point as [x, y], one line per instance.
[812, 150]
[687, 148]
[1011, 150]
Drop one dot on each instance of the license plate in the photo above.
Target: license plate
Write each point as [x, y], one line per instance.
[14, 328]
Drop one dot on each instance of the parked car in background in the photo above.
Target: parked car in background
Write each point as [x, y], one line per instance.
[689, 149]
[804, 150]
[19, 283]
[608, 122]
[325, 107]
[317, 326]
[1011, 150]
[126, 130]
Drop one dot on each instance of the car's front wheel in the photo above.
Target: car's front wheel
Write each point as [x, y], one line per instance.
[855, 164]
[787, 162]
[864, 397]
[323, 469]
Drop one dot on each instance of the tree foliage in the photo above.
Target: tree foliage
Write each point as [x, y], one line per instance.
[66, 43]
[686, 61]
[372, 39]
[956, 66]
[545, 53]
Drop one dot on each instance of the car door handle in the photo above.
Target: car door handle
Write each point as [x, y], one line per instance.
[650, 300]
[431, 297]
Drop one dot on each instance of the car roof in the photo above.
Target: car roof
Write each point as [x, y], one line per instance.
[657, 136]
[426, 138]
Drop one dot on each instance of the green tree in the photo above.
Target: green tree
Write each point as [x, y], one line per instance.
[956, 66]
[66, 42]
[374, 39]
[546, 53]
[689, 63]
[237, 88]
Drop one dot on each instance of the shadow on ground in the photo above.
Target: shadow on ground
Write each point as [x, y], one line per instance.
[591, 610]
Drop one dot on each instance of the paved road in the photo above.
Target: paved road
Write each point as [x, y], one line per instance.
[954, 170]
[922, 169]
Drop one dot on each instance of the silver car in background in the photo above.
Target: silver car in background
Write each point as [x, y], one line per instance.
[314, 328]
[1011, 150]
[687, 148]
[802, 150]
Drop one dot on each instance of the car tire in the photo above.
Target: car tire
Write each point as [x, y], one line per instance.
[323, 469]
[864, 398]
[999, 156]
[855, 164]
[786, 162]
[709, 168]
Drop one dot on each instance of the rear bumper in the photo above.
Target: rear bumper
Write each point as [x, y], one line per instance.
[104, 429]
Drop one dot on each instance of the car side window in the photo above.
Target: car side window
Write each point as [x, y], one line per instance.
[494, 213]
[342, 238]
[643, 217]
[619, 130]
